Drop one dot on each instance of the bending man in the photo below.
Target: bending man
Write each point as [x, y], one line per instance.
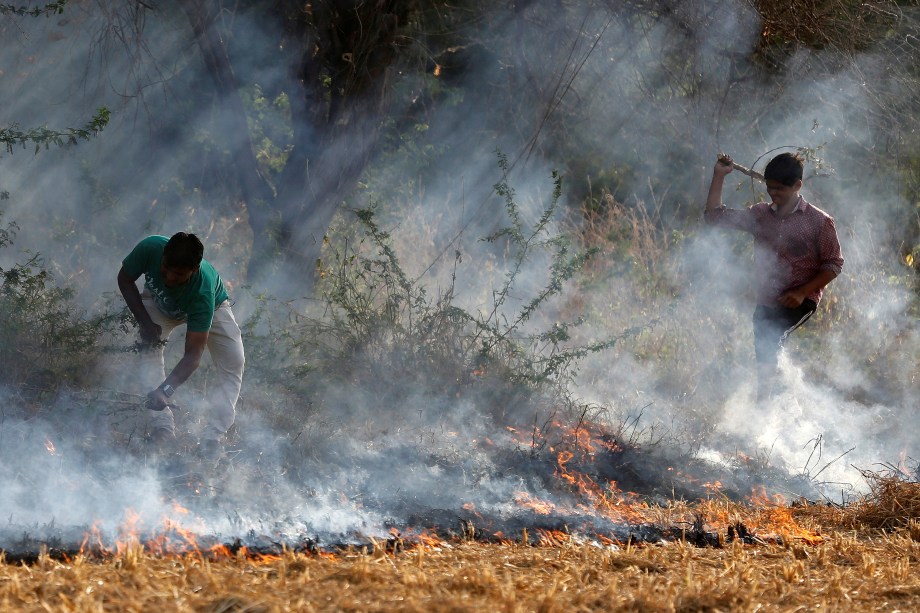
[180, 287]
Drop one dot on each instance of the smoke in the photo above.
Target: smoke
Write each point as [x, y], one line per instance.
[837, 408]
[363, 460]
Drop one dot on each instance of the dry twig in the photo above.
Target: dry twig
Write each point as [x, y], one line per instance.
[728, 161]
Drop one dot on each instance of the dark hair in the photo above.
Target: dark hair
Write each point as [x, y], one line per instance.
[785, 168]
[183, 251]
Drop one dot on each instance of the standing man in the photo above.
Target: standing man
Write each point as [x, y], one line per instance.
[796, 254]
[180, 287]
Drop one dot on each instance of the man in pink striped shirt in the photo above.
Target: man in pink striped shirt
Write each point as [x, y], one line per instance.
[796, 254]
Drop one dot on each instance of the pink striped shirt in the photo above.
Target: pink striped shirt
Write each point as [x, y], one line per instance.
[788, 251]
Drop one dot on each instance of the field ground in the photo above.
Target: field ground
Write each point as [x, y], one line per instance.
[818, 558]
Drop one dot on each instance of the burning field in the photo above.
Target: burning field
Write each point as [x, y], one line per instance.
[546, 527]
[758, 557]
[401, 452]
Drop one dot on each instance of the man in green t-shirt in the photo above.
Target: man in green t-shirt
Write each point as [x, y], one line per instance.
[180, 287]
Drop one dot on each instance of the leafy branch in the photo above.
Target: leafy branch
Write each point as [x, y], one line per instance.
[524, 242]
[45, 137]
[52, 8]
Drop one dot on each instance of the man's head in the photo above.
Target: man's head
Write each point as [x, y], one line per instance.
[783, 176]
[786, 168]
[181, 258]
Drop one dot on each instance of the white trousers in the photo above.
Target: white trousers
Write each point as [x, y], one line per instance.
[225, 344]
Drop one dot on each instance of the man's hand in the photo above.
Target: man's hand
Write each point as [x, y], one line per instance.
[723, 166]
[150, 333]
[792, 298]
[157, 400]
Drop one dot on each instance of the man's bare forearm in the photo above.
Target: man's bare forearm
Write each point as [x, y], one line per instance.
[183, 370]
[195, 343]
[793, 297]
[714, 198]
[133, 298]
[818, 282]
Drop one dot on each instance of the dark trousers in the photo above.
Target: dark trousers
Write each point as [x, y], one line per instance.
[772, 326]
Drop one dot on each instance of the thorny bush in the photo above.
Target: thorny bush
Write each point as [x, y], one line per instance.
[382, 346]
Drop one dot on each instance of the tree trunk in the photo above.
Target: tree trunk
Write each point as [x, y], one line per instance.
[346, 48]
[256, 192]
[342, 50]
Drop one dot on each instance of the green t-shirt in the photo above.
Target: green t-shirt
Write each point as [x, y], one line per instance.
[193, 301]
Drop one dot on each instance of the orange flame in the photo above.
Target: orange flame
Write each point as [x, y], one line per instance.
[429, 540]
[92, 540]
[777, 517]
[552, 538]
[714, 487]
[538, 506]
[469, 506]
[610, 501]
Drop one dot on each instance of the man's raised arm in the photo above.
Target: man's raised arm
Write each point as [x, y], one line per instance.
[714, 198]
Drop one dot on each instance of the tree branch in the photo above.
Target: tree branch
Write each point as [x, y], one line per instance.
[12, 135]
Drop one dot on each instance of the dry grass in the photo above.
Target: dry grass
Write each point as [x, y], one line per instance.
[809, 558]
[893, 503]
[846, 570]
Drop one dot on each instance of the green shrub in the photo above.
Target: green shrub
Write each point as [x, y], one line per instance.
[45, 342]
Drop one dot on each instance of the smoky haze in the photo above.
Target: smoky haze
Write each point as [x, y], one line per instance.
[385, 456]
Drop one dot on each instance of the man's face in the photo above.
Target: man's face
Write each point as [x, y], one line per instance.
[783, 195]
[174, 276]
